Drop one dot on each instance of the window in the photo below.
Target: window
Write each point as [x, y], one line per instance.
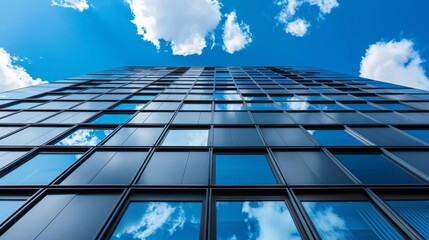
[197, 106]
[130, 106]
[128, 136]
[107, 168]
[414, 212]
[180, 220]
[26, 117]
[422, 134]
[85, 137]
[57, 105]
[6, 130]
[111, 97]
[166, 168]
[376, 169]
[108, 118]
[229, 106]
[152, 117]
[262, 106]
[328, 106]
[349, 220]
[9, 205]
[23, 105]
[186, 137]
[33, 136]
[286, 137]
[310, 168]
[385, 136]
[7, 157]
[418, 159]
[311, 118]
[296, 105]
[69, 117]
[335, 137]
[94, 105]
[168, 106]
[193, 118]
[361, 106]
[64, 216]
[272, 118]
[41, 169]
[350, 118]
[232, 118]
[142, 97]
[243, 169]
[236, 137]
[227, 97]
[258, 219]
[394, 106]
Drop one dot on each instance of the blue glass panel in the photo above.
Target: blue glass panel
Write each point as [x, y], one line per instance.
[192, 106]
[130, 106]
[349, 220]
[227, 97]
[41, 169]
[269, 220]
[262, 106]
[111, 119]
[334, 137]
[8, 206]
[186, 138]
[328, 106]
[422, 134]
[415, 212]
[229, 106]
[312, 97]
[361, 106]
[142, 97]
[394, 106]
[369, 98]
[243, 169]
[160, 220]
[85, 137]
[296, 105]
[23, 105]
[256, 98]
[375, 169]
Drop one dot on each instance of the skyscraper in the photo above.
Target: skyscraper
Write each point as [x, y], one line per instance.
[214, 153]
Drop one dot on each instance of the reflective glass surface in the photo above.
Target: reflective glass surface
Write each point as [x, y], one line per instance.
[179, 137]
[243, 169]
[142, 97]
[160, 220]
[296, 105]
[111, 119]
[229, 106]
[334, 137]
[9, 206]
[130, 106]
[376, 169]
[422, 134]
[254, 220]
[23, 105]
[349, 220]
[85, 137]
[262, 106]
[415, 213]
[361, 106]
[194, 106]
[41, 169]
[328, 106]
[227, 97]
[394, 106]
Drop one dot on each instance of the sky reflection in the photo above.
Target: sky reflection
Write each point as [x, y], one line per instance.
[85, 137]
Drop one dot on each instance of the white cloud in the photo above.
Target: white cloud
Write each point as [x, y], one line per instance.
[80, 5]
[235, 35]
[13, 76]
[394, 62]
[183, 24]
[298, 28]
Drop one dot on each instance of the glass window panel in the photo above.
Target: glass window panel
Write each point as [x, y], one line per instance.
[142, 97]
[254, 220]
[7, 130]
[262, 106]
[272, 118]
[334, 137]
[229, 106]
[111, 118]
[23, 105]
[394, 106]
[349, 220]
[160, 220]
[127, 136]
[193, 118]
[130, 106]
[33, 136]
[415, 213]
[313, 118]
[195, 106]
[350, 118]
[418, 159]
[327, 106]
[361, 106]
[227, 97]
[243, 169]
[57, 105]
[26, 117]
[236, 137]
[309, 168]
[296, 105]
[185, 137]
[85, 137]
[6, 157]
[163, 106]
[41, 169]
[384, 136]
[9, 206]
[376, 169]
[422, 134]
[286, 137]
[69, 117]
[94, 105]
[152, 117]
[232, 118]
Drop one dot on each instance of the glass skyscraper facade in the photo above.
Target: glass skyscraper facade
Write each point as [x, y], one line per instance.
[223, 153]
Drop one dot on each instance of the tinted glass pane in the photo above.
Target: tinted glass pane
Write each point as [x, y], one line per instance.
[23, 105]
[9, 206]
[394, 106]
[227, 97]
[328, 106]
[130, 106]
[243, 169]
[41, 169]
[375, 169]
[361, 106]
[416, 213]
[286, 137]
[229, 106]
[85, 137]
[419, 159]
[296, 105]
[190, 106]
[160, 220]
[176, 137]
[349, 220]
[334, 137]
[111, 119]
[422, 134]
[386, 137]
[254, 220]
[262, 106]
[142, 97]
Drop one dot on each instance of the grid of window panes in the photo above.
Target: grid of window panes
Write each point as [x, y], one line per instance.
[214, 153]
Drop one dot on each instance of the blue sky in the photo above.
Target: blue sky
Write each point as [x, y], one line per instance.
[54, 42]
